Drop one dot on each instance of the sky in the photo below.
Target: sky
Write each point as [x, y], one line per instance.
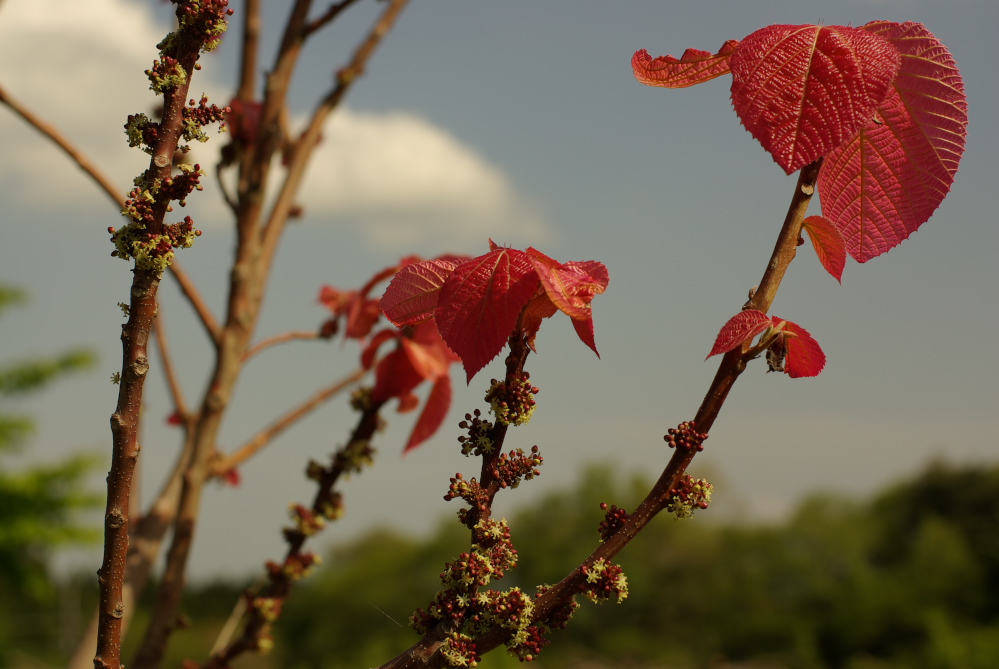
[517, 121]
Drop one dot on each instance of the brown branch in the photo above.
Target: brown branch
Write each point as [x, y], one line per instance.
[424, 655]
[77, 156]
[250, 44]
[224, 464]
[135, 364]
[326, 17]
[190, 291]
[104, 183]
[302, 151]
[280, 339]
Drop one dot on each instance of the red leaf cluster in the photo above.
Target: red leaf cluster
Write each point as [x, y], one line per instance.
[790, 348]
[478, 304]
[884, 104]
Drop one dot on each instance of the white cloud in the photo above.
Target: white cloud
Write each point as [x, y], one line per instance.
[397, 175]
[405, 179]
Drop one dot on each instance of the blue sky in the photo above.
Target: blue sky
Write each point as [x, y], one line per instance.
[518, 121]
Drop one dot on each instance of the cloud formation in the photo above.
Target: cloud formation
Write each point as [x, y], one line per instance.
[398, 176]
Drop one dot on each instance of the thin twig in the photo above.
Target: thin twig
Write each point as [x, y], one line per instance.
[77, 156]
[326, 17]
[280, 339]
[224, 464]
[173, 385]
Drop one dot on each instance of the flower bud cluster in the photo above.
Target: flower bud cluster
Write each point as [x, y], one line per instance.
[689, 494]
[479, 440]
[165, 74]
[150, 251]
[558, 618]
[355, 456]
[604, 580]
[614, 520]
[204, 20]
[295, 567]
[512, 403]
[685, 437]
[306, 522]
[268, 608]
[460, 651]
[516, 465]
[197, 117]
[529, 643]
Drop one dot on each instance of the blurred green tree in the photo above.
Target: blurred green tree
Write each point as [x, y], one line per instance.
[38, 504]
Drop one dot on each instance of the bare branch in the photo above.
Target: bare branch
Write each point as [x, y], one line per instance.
[280, 339]
[265, 436]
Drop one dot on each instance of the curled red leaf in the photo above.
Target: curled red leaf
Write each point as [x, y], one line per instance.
[802, 91]
[693, 67]
[740, 328]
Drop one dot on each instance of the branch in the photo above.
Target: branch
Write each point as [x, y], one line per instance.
[266, 603]
[280, 339]
[326, 17]
[302, 151]
[77, 156]
[250, 448]
[190, 291]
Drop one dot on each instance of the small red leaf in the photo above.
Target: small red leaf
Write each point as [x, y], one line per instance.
[802, 91]
[232, 477]
[693, 67]
[408, 402]
[804, 355]
[584, 330]
[433, 414]
[742, 327]
[412, 295]
[539, 308]
[480, 302]
[828, 244]
[890, 178]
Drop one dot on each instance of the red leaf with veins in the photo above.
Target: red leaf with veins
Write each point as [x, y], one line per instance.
[434, 412]
[802, 91]
[742, 327]
[570, 286]
[693, 67]
[804, 355]
[828, 244]
[881, 186]
[480, 302]
[412, 295]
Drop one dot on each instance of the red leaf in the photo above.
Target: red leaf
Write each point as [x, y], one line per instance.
[802, 91]
[480, 302]
[804, 355]
[232, 477]
[433, 415]
[412, 295]
[395, 376]
[885, 183]
[174, 419]
[693, 67]
[742, 327]
[828, 244]
[584, 330]
[538, 309]
[371, 350]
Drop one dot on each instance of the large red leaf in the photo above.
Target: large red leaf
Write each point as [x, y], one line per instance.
[479, 304]
[828, 244]
[693, 67]
[743, 326]
[802, 91]
[804, 355]
[881, 186]
[412, 295]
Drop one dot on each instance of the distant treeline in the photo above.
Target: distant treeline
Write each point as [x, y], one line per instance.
[909, 579]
